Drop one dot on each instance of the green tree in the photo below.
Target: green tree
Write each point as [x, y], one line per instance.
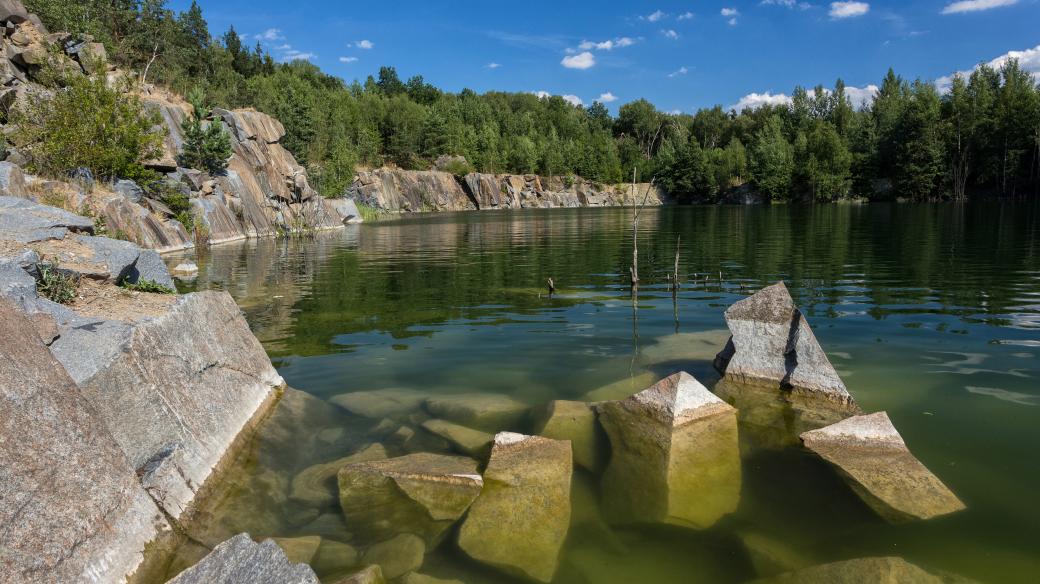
[772, 160]
[206, 146]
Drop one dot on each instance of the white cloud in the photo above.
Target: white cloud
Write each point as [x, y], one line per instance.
[1028, 60]
[976, 5]
[675, 112]
[848, 9]
[729, 12]
[607, 45]
[572, 99]
[542, 94]
[861, 96]
[348, 59]
[732, 21]
[295, 55]
[757, 100]
[584, 60]
[269, 35]
[678, 72]
[657, 15]
[670, 34]
[686, 16]
[607, 97]
[493, 65]
[284, 47]
[364, 44]
[858, 96]
[787, 4]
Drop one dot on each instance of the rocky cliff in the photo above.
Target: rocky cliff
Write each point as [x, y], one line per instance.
[406, 191]
[264, 192]
[116, 406]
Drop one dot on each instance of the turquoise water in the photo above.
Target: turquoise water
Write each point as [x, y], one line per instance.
[929, 312]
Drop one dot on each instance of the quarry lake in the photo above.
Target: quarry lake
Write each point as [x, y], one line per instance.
[928, 312]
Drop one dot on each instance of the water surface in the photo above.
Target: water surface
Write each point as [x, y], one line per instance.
[929, 312]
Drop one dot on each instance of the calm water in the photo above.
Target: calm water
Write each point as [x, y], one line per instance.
[929, 312]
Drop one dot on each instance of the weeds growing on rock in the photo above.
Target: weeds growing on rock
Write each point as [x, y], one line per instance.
[369, 213]
[57, 285]
[147, 286]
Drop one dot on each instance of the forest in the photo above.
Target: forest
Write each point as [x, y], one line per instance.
[981, 138]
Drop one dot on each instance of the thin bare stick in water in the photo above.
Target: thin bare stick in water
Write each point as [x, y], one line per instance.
[552, 287]
[636, 209]
[675, 274]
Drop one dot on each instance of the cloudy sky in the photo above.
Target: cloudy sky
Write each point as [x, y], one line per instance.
[680, 55]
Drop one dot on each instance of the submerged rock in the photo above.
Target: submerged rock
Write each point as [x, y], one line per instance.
[417, 578]
[859, 571]
[334, 556]
[485, 411]
[240, 559]
[622, 388]
[675, 456]
[381, 403]
[369, 575]
[316, 485]
[773, 345]
[520, 521]
[299, 550]
[397, 556]
[422, 494]
[575, 421]
[871, 455]
[467, 440]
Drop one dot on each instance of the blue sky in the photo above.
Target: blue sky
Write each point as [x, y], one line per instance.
[680, 55]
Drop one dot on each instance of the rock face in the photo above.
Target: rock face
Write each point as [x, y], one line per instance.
[871, 455]
[240, 559]
[859, 571]
[520, 521]
[675, 455]
[61, 473]
[773, 344]
[180, 384]
[421, 494]
[406, 191]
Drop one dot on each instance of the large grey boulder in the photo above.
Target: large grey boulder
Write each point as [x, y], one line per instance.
[422, 494]
[62, 475]
[13, 11]
[773, 345]
[12, 181]
[24, 221]
[874, 460]
[128, 263]
[893, 570]
[16, 280]
[521, 519]
[240, 559]
[182, 383]
[129, 190]
[675, 456]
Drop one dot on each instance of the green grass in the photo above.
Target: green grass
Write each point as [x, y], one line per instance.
[147, 286]
[57, 285]
[370, 213]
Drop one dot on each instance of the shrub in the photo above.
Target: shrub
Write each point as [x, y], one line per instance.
[459, 167]
[147, 286]
[56, 284]
[87, 125]
[205, 148]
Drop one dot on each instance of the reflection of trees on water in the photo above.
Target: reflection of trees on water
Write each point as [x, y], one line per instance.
[394, 276]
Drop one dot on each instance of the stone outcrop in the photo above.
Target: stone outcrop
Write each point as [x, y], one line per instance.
[407, 191]
[521, 518]
[871, 455]
[675, 456]
[421, 494]
[151, 392]
[773, 345]
[62, 475]
[240, 559]
[410, 191]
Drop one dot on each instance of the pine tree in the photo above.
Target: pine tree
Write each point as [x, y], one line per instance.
[205, 147]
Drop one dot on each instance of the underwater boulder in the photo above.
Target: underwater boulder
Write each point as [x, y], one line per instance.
[858, 571]
[521, 519]
[421, 494]
[467, 440]
[397, 556]
[483, 411]
[872, 457]
[316, 485]
[675, 457]
[574, 421]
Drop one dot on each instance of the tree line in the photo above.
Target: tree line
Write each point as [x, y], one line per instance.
[980, 138]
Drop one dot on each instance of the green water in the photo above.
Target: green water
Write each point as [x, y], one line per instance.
[929, 312]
